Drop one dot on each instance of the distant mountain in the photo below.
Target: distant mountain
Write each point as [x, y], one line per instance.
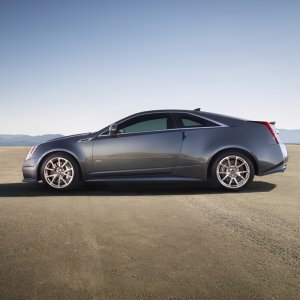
[287, 136]
[25, 140]
[290, 136]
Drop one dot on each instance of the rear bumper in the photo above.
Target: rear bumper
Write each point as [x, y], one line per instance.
[272, 159]
[277, 169]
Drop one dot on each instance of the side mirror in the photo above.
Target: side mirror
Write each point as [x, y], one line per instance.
[113, 129]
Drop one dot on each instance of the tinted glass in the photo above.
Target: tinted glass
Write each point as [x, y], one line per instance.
[150, 125]
[146, 123]
[190, 121]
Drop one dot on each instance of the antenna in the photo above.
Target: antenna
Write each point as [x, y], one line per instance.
[197, 109]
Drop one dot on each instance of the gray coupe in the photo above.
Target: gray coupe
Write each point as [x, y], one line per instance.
[162, 145]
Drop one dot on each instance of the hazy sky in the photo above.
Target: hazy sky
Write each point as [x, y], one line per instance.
[76, 66]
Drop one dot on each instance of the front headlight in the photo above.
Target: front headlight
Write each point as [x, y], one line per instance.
[31, 151]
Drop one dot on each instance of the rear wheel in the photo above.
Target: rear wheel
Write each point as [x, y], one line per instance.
[60, 171]
[232, 170]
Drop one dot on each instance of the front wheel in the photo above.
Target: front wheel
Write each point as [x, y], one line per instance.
[232, 170]
[60, 171]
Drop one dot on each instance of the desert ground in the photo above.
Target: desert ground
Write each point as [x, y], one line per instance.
[151, 241]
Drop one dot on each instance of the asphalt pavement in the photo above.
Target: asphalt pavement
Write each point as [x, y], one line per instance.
[149, 241]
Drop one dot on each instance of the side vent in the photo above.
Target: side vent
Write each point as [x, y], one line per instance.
[84, 140]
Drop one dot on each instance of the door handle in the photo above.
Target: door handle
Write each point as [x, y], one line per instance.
[183, 135]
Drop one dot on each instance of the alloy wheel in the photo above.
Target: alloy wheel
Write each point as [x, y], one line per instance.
[58, 172]
[233, 172]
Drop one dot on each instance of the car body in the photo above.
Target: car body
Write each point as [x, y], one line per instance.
[173, 145]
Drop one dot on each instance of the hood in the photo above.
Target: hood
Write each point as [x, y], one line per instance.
[74, 136]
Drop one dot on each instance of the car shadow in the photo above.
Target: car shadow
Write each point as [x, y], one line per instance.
[125, 189]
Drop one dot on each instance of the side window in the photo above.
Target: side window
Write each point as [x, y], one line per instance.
[146, 123]
[191, 121]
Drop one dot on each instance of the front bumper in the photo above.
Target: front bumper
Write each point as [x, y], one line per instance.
[30, 170]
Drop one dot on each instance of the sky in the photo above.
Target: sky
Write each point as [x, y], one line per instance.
[76, 66]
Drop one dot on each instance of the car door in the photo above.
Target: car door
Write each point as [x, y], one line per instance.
[146, 145]
[198, 135]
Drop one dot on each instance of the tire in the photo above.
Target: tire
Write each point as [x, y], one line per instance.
[232, 171]
[60, 171]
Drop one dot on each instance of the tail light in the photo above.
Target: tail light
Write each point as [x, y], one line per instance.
[270, 128]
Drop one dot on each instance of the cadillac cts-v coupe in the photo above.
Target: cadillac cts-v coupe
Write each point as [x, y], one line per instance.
[170, 145]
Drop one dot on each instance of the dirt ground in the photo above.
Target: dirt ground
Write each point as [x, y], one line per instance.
[149, 241]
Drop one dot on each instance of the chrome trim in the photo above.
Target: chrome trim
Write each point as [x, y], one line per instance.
[178, 128]
[84, 140]
[172, 129]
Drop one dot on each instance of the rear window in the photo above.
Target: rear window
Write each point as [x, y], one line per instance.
[191, 121]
